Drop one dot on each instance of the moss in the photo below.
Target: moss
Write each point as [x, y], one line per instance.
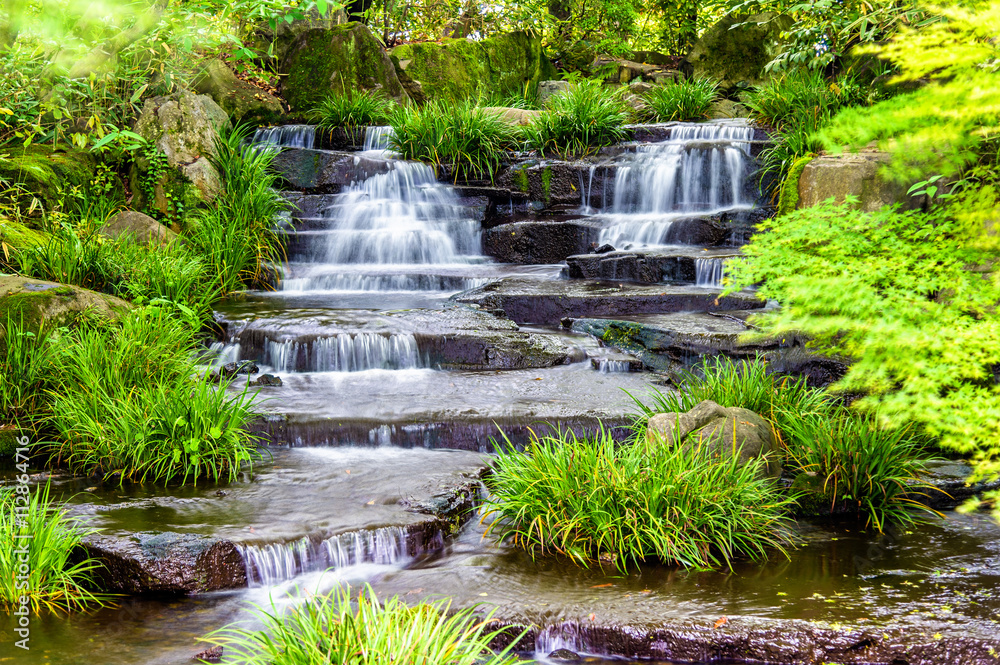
[812, 498]
[521, 175]
[36, 302]
[8, 440]
[788, 197]
[46, 172]
[17, 235]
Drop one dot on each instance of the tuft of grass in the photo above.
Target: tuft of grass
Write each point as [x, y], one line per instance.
[595, 499]
[859, 465]
[49, 535]
[353, 109]
[333, 629]
[125, 402]
[236, 236]
[580, 120]
[457, 135]
[681, 101]
[26, 366]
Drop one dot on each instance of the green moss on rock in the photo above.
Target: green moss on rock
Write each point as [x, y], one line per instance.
[788, 197]
[737, 56]
[37, 302]
[45, 172]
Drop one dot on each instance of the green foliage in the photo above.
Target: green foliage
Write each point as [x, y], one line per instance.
[26, 359]
[29, 519]
[681, 101]
[236, 235]
[909, 297]
[126, 400]
[458, 135]
[594, 498]
[788, 195]
[351, 110]
[579, 120]
[333, 629]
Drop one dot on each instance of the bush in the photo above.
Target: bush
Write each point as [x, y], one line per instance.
[353, 109]
[125, 401]
[459, 135]
[859, 465]
[50, 537]
[681, 101]
[593, 498]
[236, 236]
[579, 120]
[332, 629]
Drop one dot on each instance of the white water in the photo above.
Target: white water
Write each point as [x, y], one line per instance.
[346, 352]
[377, 138]
[609, 366]
[286, 136]
[709, 272]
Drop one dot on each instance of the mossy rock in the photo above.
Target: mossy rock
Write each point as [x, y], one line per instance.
[243, 102]
[461, 68]
[18, 236]
[37, 302]
[736, 57]
[334, 60]
[8, 440]
[813, 498]
[46, 173]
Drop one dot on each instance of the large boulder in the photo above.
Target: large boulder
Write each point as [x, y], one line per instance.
[139, 227]
[242, 101]
[183, 127]
[44, 173]
[855, 174]
[462, 68]
[736, 57]
[512, 116]
[718, 431]
[276, 41]
[37, 302]
[343, 58]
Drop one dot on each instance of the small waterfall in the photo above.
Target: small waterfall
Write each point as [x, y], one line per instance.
[286, 136]
[565, 635]
[222, 353]
[404, 282]
[377, 138]
[610, 366]
[708, 272]
[268, 565]
[346, 352]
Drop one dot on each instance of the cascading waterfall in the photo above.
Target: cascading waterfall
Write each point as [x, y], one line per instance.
[567, 635]
[611, 366]
[709, 272]
[268, 565]
[286, 136]
[346, 352]
[377, 138]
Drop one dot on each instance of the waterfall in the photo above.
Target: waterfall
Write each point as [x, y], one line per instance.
[610, 366]
[377, 138]
[346, 352]
[286, 136]
[708, 272]
[565, 635]
[268, 565]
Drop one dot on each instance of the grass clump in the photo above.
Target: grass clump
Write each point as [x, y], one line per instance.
[681, 101]
[595, 499]
[26, 365]
[352, 109]
[333, 629]
[49, 535]
[859, 467]
[580, 120]
[457, 135]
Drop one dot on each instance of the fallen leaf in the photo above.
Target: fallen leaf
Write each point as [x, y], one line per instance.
[592, 617]
[602, 586]
[721, 622]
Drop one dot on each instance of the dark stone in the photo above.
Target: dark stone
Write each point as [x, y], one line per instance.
[565, 656]
[165, 563]
[539, 242]
[242, 367]
[212, 655]
[324, 170]
[604, 249]
[268, 380]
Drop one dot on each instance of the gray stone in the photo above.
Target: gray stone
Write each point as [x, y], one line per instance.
[727, 108]
[539, 242]
[718, 431]
[515, 117]
[547, 89]
[38, 302]
[856, 174]
[139, 227]
[736, 57]
[639, 87]
[243, 101]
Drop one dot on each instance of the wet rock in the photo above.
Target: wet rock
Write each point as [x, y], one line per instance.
[553, 182]
[267, 380]
[736, 57]
[539, 242]
[718, 432]
[603, 249]
[647, 267]
[139, 227]
[855, 174]
[242, 101]
[336, 59]
[230, 370]
[38, 302]
[165, 563]
[325, 170]
[212, 655]
[565, 656]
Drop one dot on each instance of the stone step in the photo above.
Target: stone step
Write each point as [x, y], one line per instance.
[326, 171]
[671, 264]
[527, 300]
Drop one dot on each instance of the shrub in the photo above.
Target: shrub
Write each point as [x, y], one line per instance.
[460, 135]
[126, 402]
[353, 109]
[332, 629]
[681, 101]
[236, 236]
[593, 498]
[50, 537]
[579, 120]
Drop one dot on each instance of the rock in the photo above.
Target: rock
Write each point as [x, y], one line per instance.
[552, 181]
[627, 70]
[668, 76]
[267, 380]
[736, 57]
[183, 126]
[277, 41]
[325, 170]
[18, 236]
[55, 305]
[547, 89]
[720, 431]
[45, 173]
[334, 60]
[242, 101]
[855, 174]
[639, 87]
[139, 227]
[165, 563]
[604, 249]
[539, 242]
[654, 58]
[242, 367]
[565, 656]
[9, 435]
[727, 108]
[212, 655]
[515, 117]
[462, 68]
